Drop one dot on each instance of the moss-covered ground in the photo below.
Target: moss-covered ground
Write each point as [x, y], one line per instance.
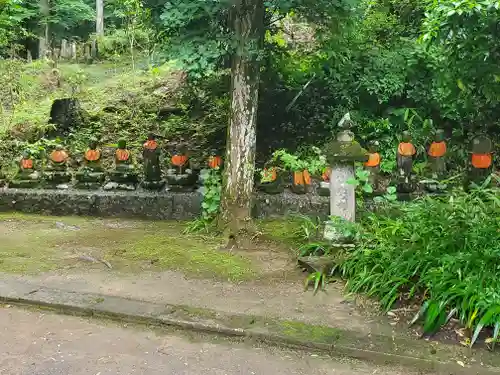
[31, 244]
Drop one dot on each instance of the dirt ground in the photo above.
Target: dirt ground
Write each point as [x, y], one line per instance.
[31, 244]
[48, 344]
[155, 261]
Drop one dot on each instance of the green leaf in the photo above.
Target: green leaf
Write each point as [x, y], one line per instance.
[391, 190]
[485, 320]
[353, 181]
[420, 313]
[367, 188]
[319, 277]
[496, 331]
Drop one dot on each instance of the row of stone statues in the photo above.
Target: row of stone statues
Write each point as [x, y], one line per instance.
[123, 176]
[481, 162]
[181, 177]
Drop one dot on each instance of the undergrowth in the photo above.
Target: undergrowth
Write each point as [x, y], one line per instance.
[443, 253]
[210, 206]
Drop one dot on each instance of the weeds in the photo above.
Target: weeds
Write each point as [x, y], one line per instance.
[444, 252]
[319, 280]
[211, 202]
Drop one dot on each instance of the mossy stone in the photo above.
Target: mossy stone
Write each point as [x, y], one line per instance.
[339, 151]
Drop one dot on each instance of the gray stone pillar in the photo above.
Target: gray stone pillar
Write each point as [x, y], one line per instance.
[342, 194]
[64, 49]
[73, 50]
[342, 154]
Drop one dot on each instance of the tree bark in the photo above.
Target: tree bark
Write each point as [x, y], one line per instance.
[44, 39]
[99, 24]
[247, 20]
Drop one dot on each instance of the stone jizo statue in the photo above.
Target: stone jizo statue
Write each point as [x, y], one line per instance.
[404, 158]
[151, 159]
[91, 175]
[57, 174]
[124, 176]
[26, 176]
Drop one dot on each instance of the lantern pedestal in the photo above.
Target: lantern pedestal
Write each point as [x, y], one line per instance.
[342, 153]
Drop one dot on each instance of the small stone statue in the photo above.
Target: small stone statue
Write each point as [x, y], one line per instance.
[373, 164]
[151, 159]
[91, 175]
[124, 176]
[301, 182]
[27, 176]
[481, 159]
[214, 162]
[271, 181]
[324, 185]
[180, 177]
[405, 154]
[57, 175]
[437, 152]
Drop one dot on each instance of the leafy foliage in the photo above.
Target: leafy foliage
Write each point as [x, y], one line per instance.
[12, 16]
[311, 160]
[465, 33]
[443, 252]
[211, 201]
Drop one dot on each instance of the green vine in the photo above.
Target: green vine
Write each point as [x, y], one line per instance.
[210, 205]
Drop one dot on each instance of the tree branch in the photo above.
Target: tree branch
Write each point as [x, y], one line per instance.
[275, 20]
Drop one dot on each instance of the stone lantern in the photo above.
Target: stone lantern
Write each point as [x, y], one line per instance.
[342, 153]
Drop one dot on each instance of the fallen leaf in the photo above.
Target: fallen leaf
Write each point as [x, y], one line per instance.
[461, 363]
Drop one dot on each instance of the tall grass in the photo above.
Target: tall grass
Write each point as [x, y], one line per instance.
[442, 252]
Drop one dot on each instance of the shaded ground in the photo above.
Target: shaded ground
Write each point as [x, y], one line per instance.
[46, 344]
[156, 262]
[32, 244]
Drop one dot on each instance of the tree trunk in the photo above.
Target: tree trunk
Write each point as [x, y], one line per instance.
[44, 38]
[99, 24]
[248, 25]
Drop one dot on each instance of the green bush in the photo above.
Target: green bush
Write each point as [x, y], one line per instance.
[441, 252]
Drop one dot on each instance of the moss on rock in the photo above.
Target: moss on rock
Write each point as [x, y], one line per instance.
[337, 151]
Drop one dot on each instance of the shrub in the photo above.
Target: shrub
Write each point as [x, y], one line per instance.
[442, 252]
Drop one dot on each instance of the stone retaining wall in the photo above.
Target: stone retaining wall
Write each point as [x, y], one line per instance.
[147, 205]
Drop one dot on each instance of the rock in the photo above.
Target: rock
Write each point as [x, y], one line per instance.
[318, 264]
[66, 114]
